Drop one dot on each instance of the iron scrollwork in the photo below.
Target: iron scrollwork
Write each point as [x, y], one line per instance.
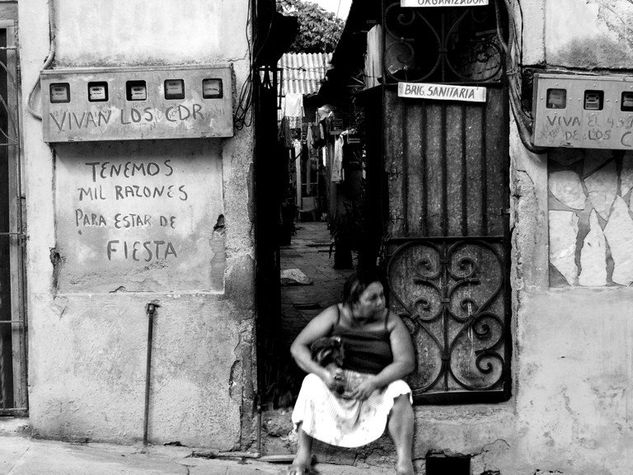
[442, 44]
[452, 294]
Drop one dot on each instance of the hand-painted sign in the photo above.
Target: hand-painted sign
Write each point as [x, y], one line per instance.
[135, 103]
[442, 92]
[144, 223]
[442, 3]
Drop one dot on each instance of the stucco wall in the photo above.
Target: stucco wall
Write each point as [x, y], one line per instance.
[589, 34]
[572, 361]
[571, 405]
[570, 411]
[592, 34]
[87, 335]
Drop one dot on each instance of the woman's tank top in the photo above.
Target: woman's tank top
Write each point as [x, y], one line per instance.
[366, 351]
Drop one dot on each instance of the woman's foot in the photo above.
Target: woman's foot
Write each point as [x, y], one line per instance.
[302, 470]
[405, 468]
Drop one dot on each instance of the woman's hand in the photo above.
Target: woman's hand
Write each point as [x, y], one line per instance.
[364, 389]
[332, 377]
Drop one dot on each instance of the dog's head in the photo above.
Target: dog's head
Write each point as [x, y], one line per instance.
[327, 350]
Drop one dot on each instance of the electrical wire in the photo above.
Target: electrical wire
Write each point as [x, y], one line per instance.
[52, 33]
[522, 118]
[241, 117]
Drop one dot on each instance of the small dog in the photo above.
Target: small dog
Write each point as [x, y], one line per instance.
[328, 351]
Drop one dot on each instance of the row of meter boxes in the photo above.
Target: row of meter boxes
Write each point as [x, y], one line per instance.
[137, 103]
[582, 111]
[136, 90]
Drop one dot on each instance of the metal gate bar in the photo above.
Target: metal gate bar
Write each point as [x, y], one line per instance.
[13, 327]
[447, 232]
[451, 294]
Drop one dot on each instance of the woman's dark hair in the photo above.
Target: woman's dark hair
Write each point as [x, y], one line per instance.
[356, 284]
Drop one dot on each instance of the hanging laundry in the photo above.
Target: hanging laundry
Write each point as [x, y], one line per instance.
[297, 147]
[337, 160]
[294, 109]
[323, 113]
[312, 147]
[373, 58]
[309, 138]
[284, 136]
[317, 140]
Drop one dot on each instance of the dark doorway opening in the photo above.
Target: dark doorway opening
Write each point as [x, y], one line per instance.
[443, 465]
[13, 394]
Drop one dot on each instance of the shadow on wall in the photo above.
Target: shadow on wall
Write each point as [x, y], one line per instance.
[596, 52]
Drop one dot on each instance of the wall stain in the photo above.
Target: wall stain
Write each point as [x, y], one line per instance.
[57, 260]
[592, 53]
[234, 376]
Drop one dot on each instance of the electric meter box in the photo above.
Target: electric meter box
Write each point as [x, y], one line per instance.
[583, 111]
[172, 102]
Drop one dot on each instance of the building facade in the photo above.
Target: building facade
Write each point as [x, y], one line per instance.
[121, 230]
[507, 247]
[104, 238]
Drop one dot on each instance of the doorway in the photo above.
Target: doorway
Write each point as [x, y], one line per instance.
[13, 395]
[310, 214]
[449, 247]
[305, 272]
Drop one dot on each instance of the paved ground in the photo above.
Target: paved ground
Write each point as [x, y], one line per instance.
[309, 251]
[26, 456]
[309, 256]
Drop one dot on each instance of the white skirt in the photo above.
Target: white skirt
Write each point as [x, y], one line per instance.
[329, 418]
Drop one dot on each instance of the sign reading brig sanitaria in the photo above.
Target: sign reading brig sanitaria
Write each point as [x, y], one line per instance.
[442, 92]
[442, 3]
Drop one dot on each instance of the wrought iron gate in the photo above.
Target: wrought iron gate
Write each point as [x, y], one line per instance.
[447, 166]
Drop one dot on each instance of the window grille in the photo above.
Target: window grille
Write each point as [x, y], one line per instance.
[456, 45]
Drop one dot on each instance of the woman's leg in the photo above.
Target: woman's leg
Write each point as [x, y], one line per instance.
[303, 458]
[400, 427]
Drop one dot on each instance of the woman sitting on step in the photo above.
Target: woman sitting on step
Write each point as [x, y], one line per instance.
[350, 406]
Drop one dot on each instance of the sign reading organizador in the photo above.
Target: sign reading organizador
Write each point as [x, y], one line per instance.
[442, 3]
[442, 92]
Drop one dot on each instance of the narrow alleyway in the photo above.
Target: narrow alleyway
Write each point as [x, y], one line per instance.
[309, 252]
[309, 284]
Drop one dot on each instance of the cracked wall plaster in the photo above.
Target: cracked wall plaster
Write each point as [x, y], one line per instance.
[602, 186]
[566, 187]
[593, 255]
[563, 229]
[619, 234]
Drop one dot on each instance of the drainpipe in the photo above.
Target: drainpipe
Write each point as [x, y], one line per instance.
[150, 309]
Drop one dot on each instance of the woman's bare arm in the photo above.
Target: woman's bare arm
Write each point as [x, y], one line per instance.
[319, 326]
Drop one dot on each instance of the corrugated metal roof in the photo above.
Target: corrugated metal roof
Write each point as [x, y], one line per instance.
[303, 72]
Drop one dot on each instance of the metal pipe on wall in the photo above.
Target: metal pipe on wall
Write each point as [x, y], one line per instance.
[150, 309]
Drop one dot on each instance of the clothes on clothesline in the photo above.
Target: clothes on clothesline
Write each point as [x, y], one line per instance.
[293, 109]
[297, 148]
[337, 160]
[373, 57]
